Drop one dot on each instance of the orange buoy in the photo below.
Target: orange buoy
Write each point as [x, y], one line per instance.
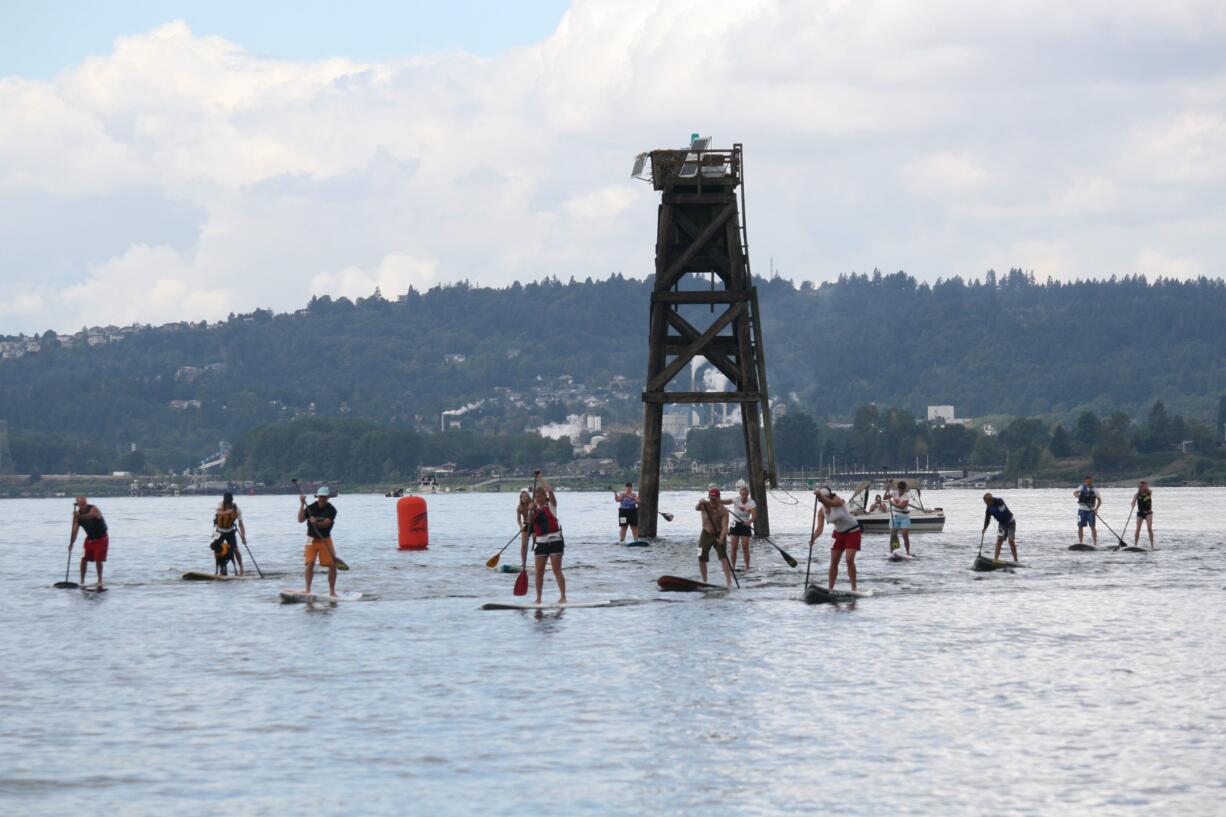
[412, 523]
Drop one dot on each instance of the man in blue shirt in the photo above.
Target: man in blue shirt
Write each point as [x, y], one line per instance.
[1088, 501]
[1006, 525]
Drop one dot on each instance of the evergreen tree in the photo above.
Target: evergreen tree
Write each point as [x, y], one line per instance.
[1060, 445]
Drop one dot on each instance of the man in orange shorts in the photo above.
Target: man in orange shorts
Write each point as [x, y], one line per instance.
[319, 516]
[89, 518]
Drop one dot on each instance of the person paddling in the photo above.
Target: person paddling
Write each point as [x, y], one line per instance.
[900, 515]
[320, 516]
[1143, 501]
[523, 518]
[1088, 502]
[627, 512]
[88, 518]
[714, 534]
[548, 534]
[1006, 525]
[846, 533]
[227, 527]
[744, 513]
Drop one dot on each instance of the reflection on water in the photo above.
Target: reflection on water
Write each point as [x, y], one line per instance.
[1088, 682]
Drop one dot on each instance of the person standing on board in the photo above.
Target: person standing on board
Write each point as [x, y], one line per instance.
[714, 534]
[1143, 501]
[1088, 502]
[227, 527]
[627, 512]
[900, 514]
[744, 513]
[846, 533]
[1006, 525]
[320, 516]
[88, 518]
[523, 518]
[548, 534]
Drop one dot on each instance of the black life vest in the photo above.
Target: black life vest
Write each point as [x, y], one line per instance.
[1145, 502]
[1086, 496]
[94, 528]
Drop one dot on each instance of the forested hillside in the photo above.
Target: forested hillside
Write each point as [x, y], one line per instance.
[1007, 346]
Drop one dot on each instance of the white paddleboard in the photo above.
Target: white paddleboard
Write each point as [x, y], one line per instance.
[899, 556]
[201, 576]
[302, 596]
[498, 605]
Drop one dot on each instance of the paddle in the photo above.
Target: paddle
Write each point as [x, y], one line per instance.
[1126, 521]
[492, 561]
[894, 543]
[253, 561]
[340, 563]
[668, 517]
[67, 585]
[787, 557]
[982, 533]
[1118, 538]
[811, 538]
[521, 581]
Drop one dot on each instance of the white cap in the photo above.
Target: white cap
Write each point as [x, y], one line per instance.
[323, 491]
[825, 492]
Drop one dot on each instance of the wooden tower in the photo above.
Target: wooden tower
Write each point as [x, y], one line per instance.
[702, 265]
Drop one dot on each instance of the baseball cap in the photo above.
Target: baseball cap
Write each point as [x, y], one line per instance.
[323, 491]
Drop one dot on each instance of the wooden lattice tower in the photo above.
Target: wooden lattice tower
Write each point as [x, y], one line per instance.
[702, 261]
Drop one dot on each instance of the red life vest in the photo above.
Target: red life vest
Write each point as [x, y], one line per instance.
[544, 522]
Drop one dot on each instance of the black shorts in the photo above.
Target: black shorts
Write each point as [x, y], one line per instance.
[741, 529]
[1143, 514]
[549, 548]
[628, 517]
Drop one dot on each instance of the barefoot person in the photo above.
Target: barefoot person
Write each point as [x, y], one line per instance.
[1088, 502]
[548, 534]
[714, 534]
[227, 527]
[846, 533]
[1143, 501]
[523, 518]
[744, 513]
[1006, 525]
[900, 515]
[627, 512]
[320, 516]
[88, 518]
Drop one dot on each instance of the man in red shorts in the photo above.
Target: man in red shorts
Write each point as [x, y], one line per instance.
[89, 518]
[846, 533]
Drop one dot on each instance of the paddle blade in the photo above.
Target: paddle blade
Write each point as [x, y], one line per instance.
[492, 562]
[787, 557]
[521, 583]
[340, 564]
[894, 543]
[668, 517]
[66, 585]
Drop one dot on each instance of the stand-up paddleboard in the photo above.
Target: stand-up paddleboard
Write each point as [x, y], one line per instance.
[201, 576]
[821, 595]
[638, 543]
[1081, 546]
[508, 568]
[1133, 549]
[302, 596]
[983, 564]
[900, 556]
[499, 605]
[677, 584]
[93, 589]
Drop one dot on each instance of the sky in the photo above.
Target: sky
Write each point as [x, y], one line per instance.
[165, 161]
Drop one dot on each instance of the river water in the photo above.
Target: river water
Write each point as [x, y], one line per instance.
[1084, 683]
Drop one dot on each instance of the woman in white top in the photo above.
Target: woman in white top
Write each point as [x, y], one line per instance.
[744, 513]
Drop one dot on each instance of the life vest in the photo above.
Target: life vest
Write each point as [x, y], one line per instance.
[1145, 502]
[225, 519]
[1086, 497]
[544, 522]
[94, 527]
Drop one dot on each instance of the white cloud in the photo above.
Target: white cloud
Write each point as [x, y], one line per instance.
[1044, 142]
[1153, 264]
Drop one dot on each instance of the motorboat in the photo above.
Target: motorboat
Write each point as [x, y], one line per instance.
[923, 519]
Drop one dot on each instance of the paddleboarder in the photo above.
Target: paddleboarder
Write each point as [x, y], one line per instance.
[1088, 502]
[900, 515]
[548, 534]
[744, 513]
[88, 518]
[715, 518]
[320, 517]
[1143, 501]
[227, 527]
[627, 512]
[846, 533]
[1006, 525]
[523, 518]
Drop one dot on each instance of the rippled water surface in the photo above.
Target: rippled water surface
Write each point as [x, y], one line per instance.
[1087, 682]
